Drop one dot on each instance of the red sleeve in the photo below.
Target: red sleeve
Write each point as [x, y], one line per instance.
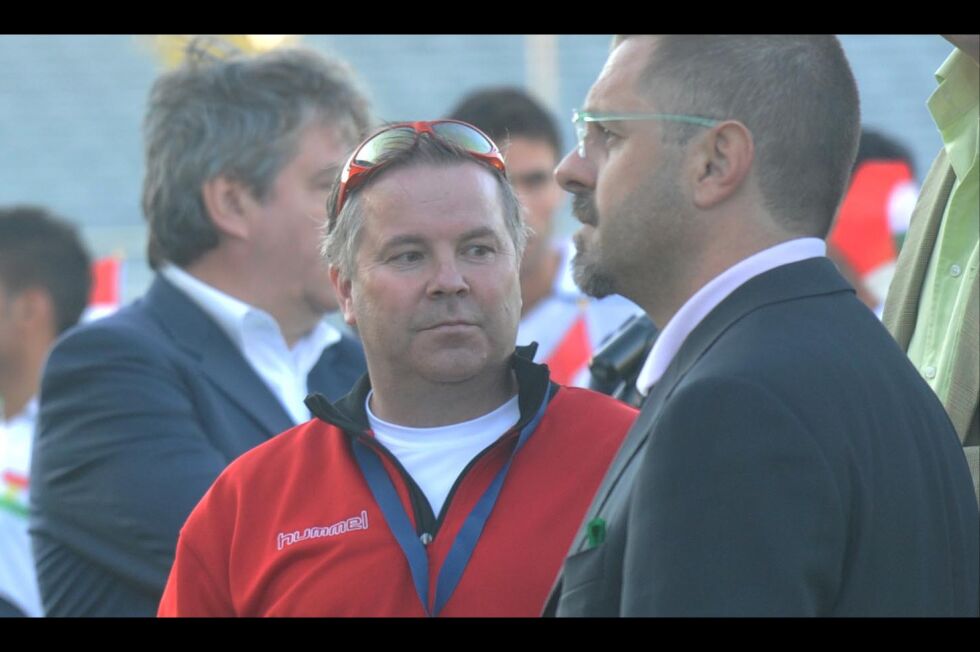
[198, 583]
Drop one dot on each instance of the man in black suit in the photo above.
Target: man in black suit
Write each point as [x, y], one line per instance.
[788, 459]
[142, 410]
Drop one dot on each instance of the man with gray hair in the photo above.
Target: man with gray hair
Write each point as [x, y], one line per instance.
[141, 411]
[788, 459]
[449, 482]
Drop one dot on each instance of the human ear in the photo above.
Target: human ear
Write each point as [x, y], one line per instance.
[722, 159]
[228, 203]
[343, 289]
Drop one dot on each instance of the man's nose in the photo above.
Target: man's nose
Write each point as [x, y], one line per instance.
[576, 174]
[447, 279]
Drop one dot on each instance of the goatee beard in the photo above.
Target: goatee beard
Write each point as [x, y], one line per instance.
[590, 277]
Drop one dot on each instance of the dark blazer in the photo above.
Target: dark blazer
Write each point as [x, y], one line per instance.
[139, 413]
[791, 461]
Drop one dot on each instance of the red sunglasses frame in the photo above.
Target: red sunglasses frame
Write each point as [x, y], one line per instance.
[355, 174]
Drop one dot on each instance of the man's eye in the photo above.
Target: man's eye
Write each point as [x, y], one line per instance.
[479, 251]
[406, 257]
[604, 133]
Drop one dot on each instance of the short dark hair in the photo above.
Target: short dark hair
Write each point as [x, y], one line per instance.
[240, 117]
[507, 112]
[795, 94]
[38, 249]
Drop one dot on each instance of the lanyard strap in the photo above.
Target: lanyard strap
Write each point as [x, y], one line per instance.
[466, 539]
[398, 521]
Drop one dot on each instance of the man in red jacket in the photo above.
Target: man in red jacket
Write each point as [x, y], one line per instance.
[451, 480]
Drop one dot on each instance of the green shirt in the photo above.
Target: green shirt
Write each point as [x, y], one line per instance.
[955, 108]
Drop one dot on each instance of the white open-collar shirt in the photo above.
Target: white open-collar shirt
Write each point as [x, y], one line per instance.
[259, 338]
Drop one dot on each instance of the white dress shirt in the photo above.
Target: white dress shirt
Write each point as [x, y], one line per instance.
[260, 340]
[695, 309]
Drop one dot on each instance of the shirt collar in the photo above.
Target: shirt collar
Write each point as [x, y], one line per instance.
[951, 104]
[308, 349]
[227, 312]
[695, 309]
[240, 320]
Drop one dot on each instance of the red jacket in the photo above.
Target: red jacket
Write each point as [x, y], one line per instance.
[291, 528]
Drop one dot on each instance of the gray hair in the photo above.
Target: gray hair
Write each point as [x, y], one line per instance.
[795, 94]
[239, 117]
[342, 230]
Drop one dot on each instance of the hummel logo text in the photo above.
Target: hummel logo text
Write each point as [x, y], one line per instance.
[342, 527]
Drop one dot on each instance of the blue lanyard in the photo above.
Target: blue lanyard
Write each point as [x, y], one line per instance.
[466, 539]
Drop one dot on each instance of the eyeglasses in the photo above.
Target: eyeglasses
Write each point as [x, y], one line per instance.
[402, 136]
[581, 119]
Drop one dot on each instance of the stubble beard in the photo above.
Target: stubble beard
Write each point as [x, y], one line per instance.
[589, 275]
[587, 270]
[651, 211]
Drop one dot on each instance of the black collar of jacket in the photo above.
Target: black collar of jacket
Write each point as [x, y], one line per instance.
[349, 414]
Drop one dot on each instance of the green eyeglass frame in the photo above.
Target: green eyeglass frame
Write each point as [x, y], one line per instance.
[581, 119]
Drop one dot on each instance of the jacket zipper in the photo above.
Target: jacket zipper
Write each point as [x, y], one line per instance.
[466, 469]
[421, 509]
[425, 520]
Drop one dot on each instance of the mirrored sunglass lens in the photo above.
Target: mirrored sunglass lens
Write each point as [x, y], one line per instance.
[466, 137]
[386, 141]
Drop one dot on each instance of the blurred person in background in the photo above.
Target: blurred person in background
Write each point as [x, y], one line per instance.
[874, 216]
[140, 411]
[44, 286]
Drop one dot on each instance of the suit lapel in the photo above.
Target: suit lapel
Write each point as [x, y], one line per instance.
[632, 444]
[220, 361]
[809, 277]
[339, 366]
[322, 375]
[902, 303]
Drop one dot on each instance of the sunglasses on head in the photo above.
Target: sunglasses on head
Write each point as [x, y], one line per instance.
[369, 155]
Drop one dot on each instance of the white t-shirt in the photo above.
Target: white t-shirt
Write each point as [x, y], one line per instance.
[18, 579]
[435, 457]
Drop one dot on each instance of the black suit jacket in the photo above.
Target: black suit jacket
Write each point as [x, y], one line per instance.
[790, 461]
[139, 413]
